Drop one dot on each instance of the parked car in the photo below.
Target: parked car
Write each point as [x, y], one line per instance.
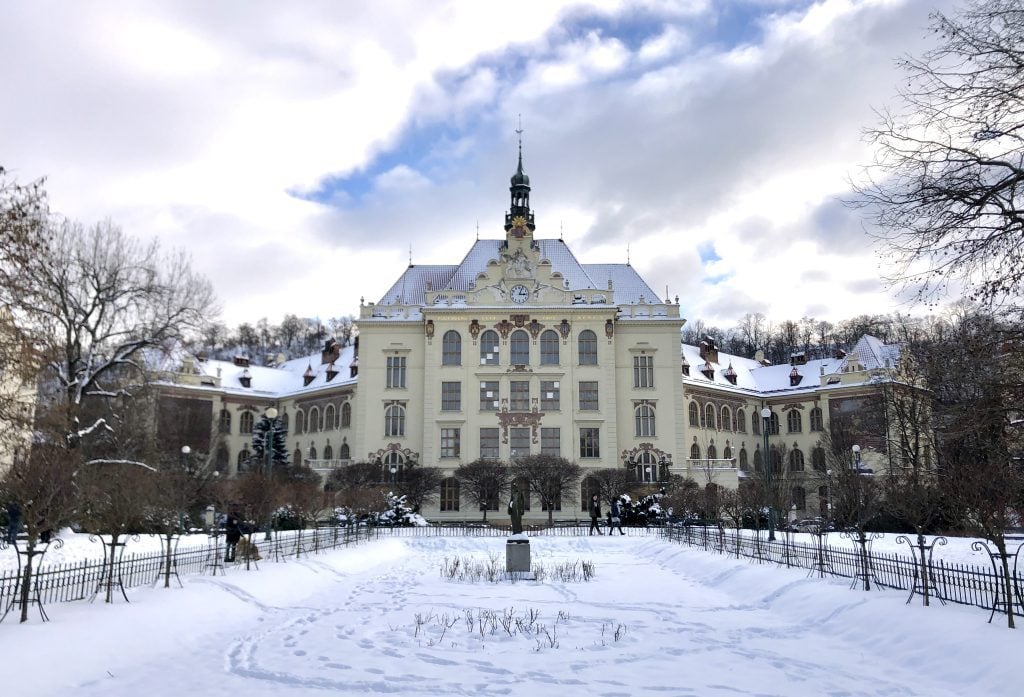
[807, 525]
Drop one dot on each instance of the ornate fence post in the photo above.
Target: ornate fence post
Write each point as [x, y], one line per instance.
[922, 569]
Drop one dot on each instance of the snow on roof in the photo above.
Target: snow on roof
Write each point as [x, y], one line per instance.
[627, 286]
[752, 376]
[284, 380]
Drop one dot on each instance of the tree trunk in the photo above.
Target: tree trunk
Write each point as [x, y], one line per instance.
[1007, 583]
[110, 570]
[26, 579]
[167, 562]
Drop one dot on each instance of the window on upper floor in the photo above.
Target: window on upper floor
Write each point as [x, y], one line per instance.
[588, 347]
[489, 439]
[489, 396]
[519, 348]
[519, 395]
[588, 396]
[225, 421]
[796, 462]
[794, 422]
[489, 348]
[451, 348]
[550, 395]
[550, 441]
[816, 423]
[394, 421]
[590, 442]
[643, 421]
[346, 415]
[396, 372]
[245, 422]
[643, 371]
[549, 348]
[451, 396]
[741, 421]
[694, 414]
[451, 442]
[726, 420]
[709, 415]
[330, 418]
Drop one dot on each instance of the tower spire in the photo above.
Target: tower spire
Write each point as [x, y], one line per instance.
[519, 218]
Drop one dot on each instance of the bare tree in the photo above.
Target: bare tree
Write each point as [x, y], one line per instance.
[612, 482]
[945, 189]
[549, 478]
[482, 482]
[419, 485]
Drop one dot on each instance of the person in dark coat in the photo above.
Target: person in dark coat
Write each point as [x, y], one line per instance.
[595, 515]
[232, 533]
[616, 514]
[13, 522]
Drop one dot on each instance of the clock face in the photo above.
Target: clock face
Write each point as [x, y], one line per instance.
[519, 293]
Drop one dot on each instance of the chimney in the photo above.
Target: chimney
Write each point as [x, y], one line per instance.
[242, 361]
[709, 350]
[686, 366]
[331, 351]
[799, 358]
[245, 378]
[308, 376]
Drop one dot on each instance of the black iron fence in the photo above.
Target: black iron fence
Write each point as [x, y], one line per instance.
[964, 584]
[55, 583]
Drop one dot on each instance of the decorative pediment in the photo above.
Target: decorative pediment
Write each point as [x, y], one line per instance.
[507, 419]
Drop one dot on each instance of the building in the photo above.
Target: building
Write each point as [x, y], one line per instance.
[521, 348]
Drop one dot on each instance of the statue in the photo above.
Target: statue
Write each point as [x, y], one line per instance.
[516, 506]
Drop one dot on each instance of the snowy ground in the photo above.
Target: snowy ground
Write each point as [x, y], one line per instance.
[688, 623]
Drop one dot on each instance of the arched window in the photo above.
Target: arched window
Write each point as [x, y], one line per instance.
[519, 348]
[818, 459]
[726, 419]
[328, 452]
[741, 421]
[394, 421]
[245, 422]
[297, 458]
[312, 451]
[712, 452]
[396, 461]
[489, 348]
[225, 421]
[799, 498]
[694, 452]
[796, 461]
[727, 453]
[794, 422]
[450, 494]
[243, 459]
[330, 418]
[343, 452]
[694, 414]
[549, 348]
[823, 501]
[744, 463]
[776, 460]
[816, 424]
[284, 422]
[300, 421]
[758, 460]
[755, 423]
[773, 425]
[709, 415]
[346, 414]
[588, 347]
[647, 468]
[451, 348]
[314, 420]
[644, 421]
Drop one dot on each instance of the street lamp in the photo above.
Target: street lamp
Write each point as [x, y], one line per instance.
[268, 451]
[766, 415]
[394, 471]
[856, 458]
[828, 494]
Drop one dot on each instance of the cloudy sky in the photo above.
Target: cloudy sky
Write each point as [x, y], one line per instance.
[297, 150]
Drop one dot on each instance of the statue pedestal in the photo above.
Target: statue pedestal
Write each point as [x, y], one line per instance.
[517, 555]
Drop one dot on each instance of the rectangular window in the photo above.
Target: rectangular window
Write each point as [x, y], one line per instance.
[588, 396]
[396, 371]
[643, 371]
[549, 395]
[489, 397]
[590, 442]
[519, 396]
[519, 441]
[551, 441]
[451, 396]
[451, 444]
[450, 494]
[489, 443]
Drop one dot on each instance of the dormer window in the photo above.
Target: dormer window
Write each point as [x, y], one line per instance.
[245, 378]
[331, 372]
[686, 367]
[795, 377]
[308, 376]
[730, 374]
[353, 368]
[709, 372]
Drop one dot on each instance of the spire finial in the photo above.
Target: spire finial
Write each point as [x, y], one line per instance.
[561, 231]
[410, 254]
[519, 132]
[478, 231]
[627, 254]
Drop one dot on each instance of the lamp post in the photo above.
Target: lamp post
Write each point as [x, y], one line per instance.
[766, 415]
[268, 452]
[828, 494]
[856, 458]
[394, 471]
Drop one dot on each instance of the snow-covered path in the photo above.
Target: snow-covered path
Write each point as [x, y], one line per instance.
[657, 619]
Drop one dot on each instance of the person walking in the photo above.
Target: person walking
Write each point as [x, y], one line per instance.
[616, 514]
[232, 534]
[595, 515]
